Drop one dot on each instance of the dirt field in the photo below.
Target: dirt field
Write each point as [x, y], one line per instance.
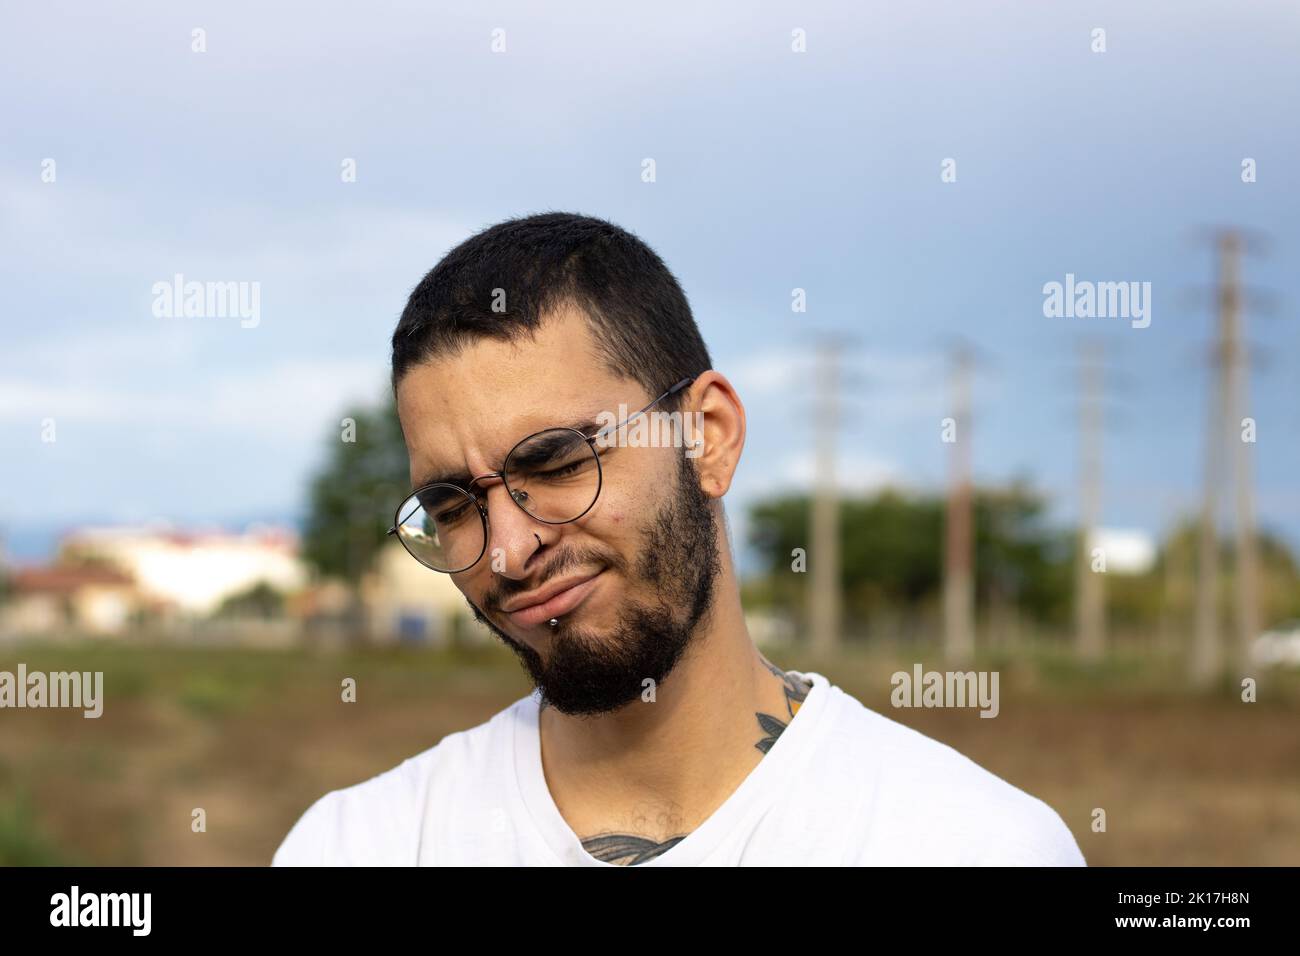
[253, 737]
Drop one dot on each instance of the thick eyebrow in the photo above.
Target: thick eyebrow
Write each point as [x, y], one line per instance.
[461, 479]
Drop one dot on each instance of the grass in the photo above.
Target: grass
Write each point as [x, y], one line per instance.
[22, 841]
[253, 737]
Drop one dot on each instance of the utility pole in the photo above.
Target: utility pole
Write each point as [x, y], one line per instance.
[958, 578]
[1237, 388]
[1089, 600]
[825, 545]
[1207, 651]
[1225, 442]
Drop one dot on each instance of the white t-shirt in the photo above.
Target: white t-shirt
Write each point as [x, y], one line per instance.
[842, 785]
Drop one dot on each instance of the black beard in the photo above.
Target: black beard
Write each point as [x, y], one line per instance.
[590, 674]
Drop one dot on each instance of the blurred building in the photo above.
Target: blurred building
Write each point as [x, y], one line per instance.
[250, 587]
[91, 599]
[192, 573]
[407, 602]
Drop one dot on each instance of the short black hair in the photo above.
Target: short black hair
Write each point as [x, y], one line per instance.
[634, 305]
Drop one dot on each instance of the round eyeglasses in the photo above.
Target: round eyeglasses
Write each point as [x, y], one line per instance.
[553, 475]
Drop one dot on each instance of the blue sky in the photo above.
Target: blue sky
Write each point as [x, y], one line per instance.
[775, 170]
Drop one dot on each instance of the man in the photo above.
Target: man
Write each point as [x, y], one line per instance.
[657, 734]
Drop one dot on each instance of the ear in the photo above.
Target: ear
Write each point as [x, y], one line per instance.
[713, 418]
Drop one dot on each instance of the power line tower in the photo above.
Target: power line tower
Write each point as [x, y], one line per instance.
[825, 566]
[1226, 442]
[825, 544]
[1089, 599]
[958, 575]
[1236, 372]
[820, 354]
[1100, 382]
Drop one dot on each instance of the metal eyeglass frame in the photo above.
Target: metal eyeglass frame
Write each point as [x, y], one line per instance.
[482, 510]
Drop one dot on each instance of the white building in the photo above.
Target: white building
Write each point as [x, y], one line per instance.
[194, 572]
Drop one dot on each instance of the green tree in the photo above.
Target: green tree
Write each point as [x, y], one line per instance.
[891, 547]
[261, 600]
[1175, 579]
[354, 495]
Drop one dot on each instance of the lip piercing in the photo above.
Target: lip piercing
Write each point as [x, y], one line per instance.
[554, 622]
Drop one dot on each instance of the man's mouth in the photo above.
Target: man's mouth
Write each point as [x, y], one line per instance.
[561, 597]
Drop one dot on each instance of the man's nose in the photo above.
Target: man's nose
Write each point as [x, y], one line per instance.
[513, 535]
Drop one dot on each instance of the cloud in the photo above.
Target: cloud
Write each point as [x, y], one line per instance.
[889, 388]
[854, 474]
[284, 396]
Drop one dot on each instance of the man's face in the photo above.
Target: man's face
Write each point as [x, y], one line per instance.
[643, 560]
